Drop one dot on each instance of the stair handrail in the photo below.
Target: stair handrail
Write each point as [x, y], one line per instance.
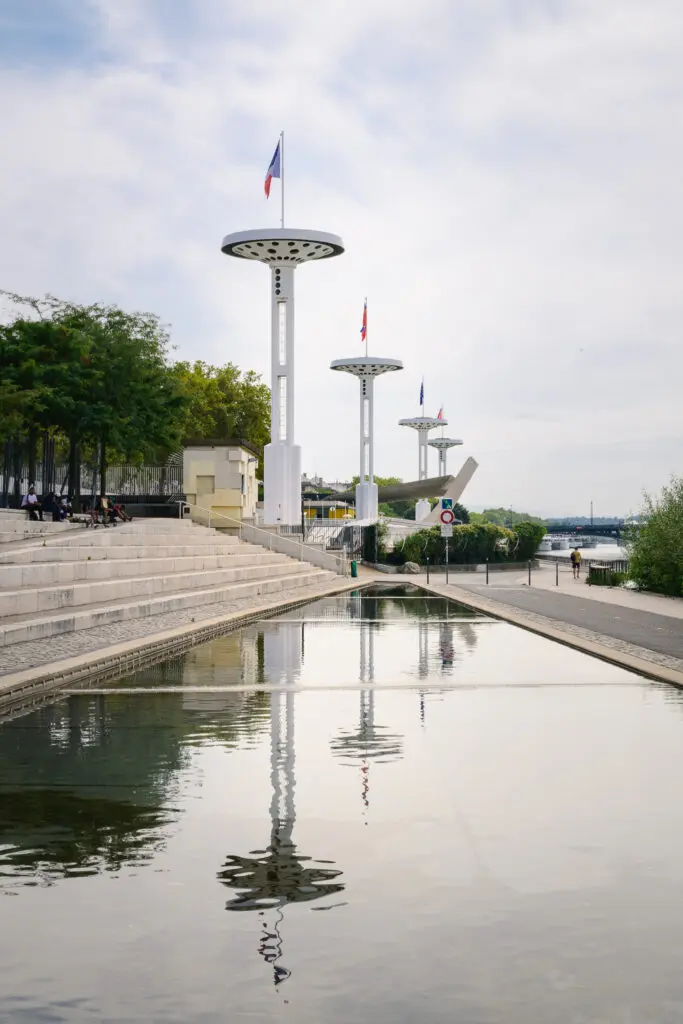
[299, 549]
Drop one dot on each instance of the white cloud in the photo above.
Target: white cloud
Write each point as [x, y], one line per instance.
[504, 175]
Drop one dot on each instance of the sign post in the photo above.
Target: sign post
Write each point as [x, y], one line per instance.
[446, 517]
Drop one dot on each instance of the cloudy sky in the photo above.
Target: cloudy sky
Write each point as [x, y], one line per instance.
[505, 174]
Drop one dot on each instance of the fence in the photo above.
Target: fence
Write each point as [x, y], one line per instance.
[121, 481]
[328, 534]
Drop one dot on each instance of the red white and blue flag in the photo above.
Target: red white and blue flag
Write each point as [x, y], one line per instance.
[364, 327]
[273, 170]
[440, 416]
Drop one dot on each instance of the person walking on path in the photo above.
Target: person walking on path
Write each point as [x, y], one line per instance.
[576, 562]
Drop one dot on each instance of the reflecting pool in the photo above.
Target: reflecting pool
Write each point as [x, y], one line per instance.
[378, 807]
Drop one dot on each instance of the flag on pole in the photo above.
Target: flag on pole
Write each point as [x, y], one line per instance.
[364, 327]
[440, 416]
[273, 170]
[422, 393]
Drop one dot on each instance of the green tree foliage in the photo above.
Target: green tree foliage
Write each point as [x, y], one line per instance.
[656, 545]
[223, 402]
[98, 379]
[505, 517]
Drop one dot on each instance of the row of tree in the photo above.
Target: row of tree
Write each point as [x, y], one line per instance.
[100, 382]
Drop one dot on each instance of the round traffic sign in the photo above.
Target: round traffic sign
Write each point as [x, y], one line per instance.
[447, 516]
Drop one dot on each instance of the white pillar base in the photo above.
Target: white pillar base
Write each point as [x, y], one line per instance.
[366, 501]
[282, 484]
[422, 509]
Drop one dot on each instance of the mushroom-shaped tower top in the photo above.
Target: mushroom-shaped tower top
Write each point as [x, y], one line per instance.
[283, 246]
[443, 443]
[366, 366]
[423, 422]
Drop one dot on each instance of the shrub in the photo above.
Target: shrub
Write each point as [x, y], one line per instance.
[529, 535]
[470, 544]
[656, 546]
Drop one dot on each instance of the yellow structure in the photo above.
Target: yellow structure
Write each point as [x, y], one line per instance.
[221, 476]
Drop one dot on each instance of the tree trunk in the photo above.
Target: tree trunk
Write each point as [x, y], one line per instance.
[32, 442]
[17, 467]
[103, 466]
[75, 473]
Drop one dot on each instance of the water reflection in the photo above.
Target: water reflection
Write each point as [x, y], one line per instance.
[370, 741]
[268, 880]
[88, 784]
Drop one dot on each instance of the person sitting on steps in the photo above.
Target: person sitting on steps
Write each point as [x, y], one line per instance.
[32, 505]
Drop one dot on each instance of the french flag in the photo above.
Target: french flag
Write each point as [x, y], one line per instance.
[273, 170]
[364, 327]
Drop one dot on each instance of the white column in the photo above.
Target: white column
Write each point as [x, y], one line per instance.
[282, 458]
[366, 490]
[422, 507]
[363, 442]
[371, 429]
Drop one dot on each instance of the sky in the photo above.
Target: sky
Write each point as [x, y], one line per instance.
[505, 175]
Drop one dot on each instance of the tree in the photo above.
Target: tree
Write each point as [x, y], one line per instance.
[223, 402]
[655, 546]
[95, 374]
[506, 517]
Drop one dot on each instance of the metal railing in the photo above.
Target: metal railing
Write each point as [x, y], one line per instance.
[272, 540]
[123, 480]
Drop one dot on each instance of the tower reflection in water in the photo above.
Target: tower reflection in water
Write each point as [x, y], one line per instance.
[369, 742]
[268, 880]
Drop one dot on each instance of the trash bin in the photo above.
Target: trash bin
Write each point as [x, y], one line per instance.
[354, 569]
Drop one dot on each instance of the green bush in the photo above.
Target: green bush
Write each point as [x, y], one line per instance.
[529, 535]
[469, 544]
[473, 544]
[656, 546]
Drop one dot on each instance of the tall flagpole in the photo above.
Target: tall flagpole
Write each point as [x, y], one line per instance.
[366, 326]
[282, 179]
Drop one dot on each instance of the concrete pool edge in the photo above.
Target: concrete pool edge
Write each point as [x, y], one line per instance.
[21, 691]
[598, 646]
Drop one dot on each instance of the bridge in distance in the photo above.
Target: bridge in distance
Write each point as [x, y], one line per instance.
[614, 529]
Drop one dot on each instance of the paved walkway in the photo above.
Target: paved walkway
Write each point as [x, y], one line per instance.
[640, 631]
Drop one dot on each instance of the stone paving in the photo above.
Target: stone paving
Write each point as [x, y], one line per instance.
[49, 651]
[659, 637]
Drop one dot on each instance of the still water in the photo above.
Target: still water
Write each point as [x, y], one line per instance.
[380, 807]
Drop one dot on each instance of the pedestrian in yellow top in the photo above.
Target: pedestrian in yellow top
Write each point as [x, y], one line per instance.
[576, 562]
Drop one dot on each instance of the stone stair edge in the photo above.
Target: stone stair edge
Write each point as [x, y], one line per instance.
[14, 593]
[147, 605]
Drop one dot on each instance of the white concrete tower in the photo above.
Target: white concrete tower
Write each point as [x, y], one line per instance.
[283, 250]
[442, 444]
[422, 424]
[366, 368]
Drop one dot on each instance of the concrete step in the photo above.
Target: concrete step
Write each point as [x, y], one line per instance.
[25, 555]
[51, 573]
[23, 628]
[29, 600]
[122, 536]
[26, 528]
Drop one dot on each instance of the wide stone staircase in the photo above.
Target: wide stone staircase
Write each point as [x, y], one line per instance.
[57, 578]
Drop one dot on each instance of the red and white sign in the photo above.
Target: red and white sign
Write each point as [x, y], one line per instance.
[447, 516]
